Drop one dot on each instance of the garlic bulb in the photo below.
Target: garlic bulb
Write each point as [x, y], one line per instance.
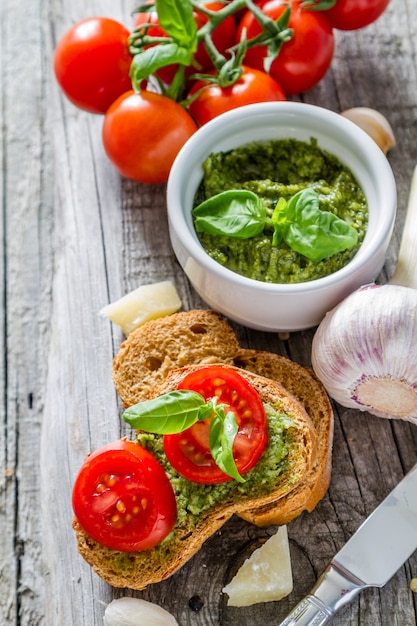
[136, 612]
[374, 124]
[365, 351]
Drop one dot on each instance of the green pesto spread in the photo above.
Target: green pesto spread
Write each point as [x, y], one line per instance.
[193, 498]
[273, 170]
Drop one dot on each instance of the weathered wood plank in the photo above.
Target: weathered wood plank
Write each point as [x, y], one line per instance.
[26, 167]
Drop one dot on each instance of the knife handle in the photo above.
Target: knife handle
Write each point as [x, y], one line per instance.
[334, 589]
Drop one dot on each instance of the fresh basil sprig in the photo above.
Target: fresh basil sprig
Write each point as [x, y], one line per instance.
[300, 222]
[236, 213]
[176, 19]
[310, 231]
[174, 412]
[223, 430]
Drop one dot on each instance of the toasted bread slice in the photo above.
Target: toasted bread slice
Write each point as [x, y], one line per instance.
[194, 337]
[302, 383]
[137, 570]
[153, 350]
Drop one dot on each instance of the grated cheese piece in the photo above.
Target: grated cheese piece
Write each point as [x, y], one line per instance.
[145, 303]
[265, 576]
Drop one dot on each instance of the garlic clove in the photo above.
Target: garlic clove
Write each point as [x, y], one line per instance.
[364, 351]
[374, 124]
[136, 612]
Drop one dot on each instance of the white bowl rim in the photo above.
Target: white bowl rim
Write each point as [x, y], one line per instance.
[196, 250]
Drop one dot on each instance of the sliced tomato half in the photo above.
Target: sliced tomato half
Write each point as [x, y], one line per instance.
[189, 451]
[123, 499]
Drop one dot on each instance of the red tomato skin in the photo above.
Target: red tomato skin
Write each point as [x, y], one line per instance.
[137, 473]
[189, 451]
[143, 133]
[92, 63]
[253, 86]
[355, 14]
[223, 37]
[304, 60]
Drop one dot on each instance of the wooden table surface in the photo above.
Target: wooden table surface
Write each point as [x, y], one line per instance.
[74, 237]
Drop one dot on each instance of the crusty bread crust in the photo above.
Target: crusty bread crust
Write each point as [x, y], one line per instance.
[139, 569]
[303, 384]
[153, 350]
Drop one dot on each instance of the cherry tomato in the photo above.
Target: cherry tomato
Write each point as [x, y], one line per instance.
[189, 452]
[354, 14]
[223, 38]
[123, 499]
[253, 86]
[92, 63]
[303, 61]
[143, 133]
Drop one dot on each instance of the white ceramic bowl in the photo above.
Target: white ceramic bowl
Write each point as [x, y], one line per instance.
[280, 307]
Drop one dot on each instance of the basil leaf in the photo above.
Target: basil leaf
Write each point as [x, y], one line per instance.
[147, 61]
[278, 220]
[223, 429]
[237, 213]
[177, 19]
[168, 414]
[314, 233]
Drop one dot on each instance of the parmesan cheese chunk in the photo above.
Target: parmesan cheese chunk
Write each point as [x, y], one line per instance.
[265, 576]
[145, 303]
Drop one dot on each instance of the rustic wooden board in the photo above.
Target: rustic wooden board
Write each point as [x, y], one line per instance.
[74, 237]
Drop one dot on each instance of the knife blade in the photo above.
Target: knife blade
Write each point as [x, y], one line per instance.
[383, 542]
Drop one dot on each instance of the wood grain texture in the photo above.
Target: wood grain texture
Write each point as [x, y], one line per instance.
[74, 237]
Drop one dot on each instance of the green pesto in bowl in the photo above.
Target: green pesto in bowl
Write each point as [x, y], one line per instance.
[280, 169]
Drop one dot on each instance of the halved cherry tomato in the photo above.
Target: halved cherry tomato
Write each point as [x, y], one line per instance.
[303, 60]
[143, 133]
[92, 63]
[253, 86]
[123, 499]
[189, 451]
[354, 14]
[223, 37]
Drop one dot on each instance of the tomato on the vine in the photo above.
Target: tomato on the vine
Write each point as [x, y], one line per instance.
[355, 14]
[303, 60]
[223, 37]
[123, 499]
[92, 63]
[253, 86]
[143, 133]
[189, 451]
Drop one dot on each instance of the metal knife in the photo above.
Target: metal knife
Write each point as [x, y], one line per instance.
[385, 540]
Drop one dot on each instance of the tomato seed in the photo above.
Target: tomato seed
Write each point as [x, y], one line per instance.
[111, 480]
[120, 506]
